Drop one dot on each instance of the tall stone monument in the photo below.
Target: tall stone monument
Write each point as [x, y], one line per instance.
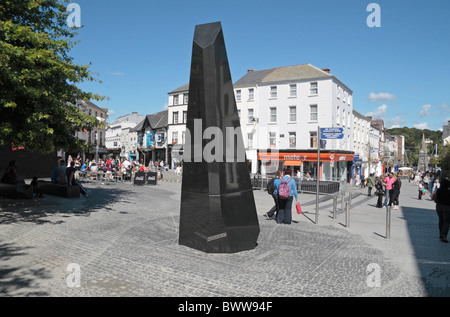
[422, 164]
[218, 212]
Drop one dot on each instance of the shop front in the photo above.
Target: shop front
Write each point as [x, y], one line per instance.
[334, 165]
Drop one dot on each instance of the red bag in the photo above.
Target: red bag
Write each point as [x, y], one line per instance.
[299, 208]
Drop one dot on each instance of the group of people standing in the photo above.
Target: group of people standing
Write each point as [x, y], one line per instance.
[282, 211]
[387, 187]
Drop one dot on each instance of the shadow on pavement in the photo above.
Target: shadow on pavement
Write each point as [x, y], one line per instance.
[432, 256]
[20, 281]
[36, 210]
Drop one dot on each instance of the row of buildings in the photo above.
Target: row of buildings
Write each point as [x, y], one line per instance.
[281, 110]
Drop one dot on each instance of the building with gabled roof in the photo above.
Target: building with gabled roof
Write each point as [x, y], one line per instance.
[148, 139]
[281, 109]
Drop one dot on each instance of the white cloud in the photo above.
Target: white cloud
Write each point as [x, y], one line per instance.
[425, 111]
[421, 125]
[395, 123]
[382, 97]
[378, 113]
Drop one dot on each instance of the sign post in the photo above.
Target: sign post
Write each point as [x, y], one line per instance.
[324, 133]
[318, 175]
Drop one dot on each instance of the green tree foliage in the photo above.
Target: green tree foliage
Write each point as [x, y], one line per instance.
[38, 78]
[413, 140]
[445, 160]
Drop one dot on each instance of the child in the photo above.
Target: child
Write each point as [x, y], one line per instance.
[36, 189]
[420, 190]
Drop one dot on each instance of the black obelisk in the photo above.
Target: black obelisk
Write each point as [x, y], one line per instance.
[218, 212]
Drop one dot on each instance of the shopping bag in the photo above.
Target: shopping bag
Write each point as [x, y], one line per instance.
[299, 208]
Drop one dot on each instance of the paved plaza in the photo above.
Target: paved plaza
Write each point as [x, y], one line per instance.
[122, 240]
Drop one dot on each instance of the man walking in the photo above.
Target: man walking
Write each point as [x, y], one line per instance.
[370, 184]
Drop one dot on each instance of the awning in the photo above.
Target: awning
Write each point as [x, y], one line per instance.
[293, 163]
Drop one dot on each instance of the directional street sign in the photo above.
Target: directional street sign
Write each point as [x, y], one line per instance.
[331, 133]
[331, 130]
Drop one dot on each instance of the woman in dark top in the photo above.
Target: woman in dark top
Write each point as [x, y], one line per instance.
[443, 209]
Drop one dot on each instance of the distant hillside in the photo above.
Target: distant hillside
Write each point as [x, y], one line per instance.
[413, 137]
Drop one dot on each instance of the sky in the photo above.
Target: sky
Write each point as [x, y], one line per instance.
[398, 71]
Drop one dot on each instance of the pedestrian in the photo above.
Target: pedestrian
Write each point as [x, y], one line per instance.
[70, 173]
[436, 185]
[443, 209]
[370, 183]
[420, 187]
[363, 184]
[36, 190]
[396, 191]
[380, 192]
[11, 176]
[287, 190]
[388, 181]
[273, 212]
[61, 178]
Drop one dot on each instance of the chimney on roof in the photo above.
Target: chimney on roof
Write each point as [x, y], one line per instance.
[250, 70]
[326, 69]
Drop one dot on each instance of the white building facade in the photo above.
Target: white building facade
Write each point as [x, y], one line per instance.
[361, 144]
[117, 134]
[281, 110]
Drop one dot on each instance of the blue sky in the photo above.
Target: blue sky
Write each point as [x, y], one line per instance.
[399, 72]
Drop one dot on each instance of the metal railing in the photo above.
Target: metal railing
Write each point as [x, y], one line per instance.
[304, 186]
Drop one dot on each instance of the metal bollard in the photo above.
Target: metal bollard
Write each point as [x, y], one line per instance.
[388, 222]
[335, 198]
[342, 202]
[347, 215]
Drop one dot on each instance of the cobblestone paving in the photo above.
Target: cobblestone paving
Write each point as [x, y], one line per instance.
[125, 241]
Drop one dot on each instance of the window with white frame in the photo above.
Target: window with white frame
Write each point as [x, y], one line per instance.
[273, 91]
[238, 95]
[313, 139]
[175, 117]
[313, 112]
[250, 140]
[250, 116]
[175, 99]
[184, 116]
[251, 94]
[292, 140]
[313, 88]
[273, 115]
[185, 99]
[175, 137]
[338, 114]
[272, 139]
[293, 90]
[292, 113]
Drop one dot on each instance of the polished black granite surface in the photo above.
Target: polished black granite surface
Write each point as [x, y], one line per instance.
[217, 212]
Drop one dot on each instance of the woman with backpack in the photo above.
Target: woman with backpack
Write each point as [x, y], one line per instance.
[272, 190]
[287, 190]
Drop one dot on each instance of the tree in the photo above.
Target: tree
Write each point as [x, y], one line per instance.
[38, 78]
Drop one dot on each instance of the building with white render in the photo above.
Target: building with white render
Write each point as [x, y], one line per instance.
[281, 110]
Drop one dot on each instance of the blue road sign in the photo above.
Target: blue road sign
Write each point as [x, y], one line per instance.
[331, 135]
[331, 130]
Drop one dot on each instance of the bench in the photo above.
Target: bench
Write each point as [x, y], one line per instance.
[16, 191]
[65, 191]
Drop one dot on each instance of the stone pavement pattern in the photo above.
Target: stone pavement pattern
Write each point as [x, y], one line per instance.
[125, 240]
